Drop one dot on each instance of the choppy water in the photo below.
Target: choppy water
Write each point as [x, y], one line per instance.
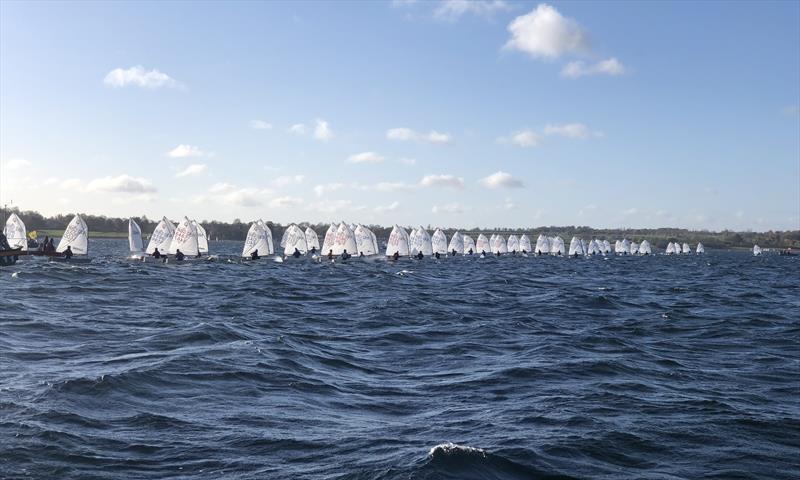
[655, 367]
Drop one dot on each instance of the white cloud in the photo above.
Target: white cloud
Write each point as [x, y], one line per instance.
[16, 163]
[298, 129]
[193, 169]
[522, 138]
[442, 181]
[502, 179]
[121, 184]
[577, 69]
[185, 151]
[221, 187]
[321, 190]
[571, 130]
[139, 77]
[288, 180]
[454, 9]
[260, 125]
[244, 197]
[365, 157]
[404, 134]
[408, 161]
[448, 208]
[282, 202]
[323, 131]
[545, 33]
[387, 208]
[71, 184]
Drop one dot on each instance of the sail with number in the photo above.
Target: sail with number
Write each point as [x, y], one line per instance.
[294, 238]
[312, 240]
[421, 242]
[256, 241]
[330, 237]
[364, 242]
[15, 233]
[135, 236]
[644, 248]
[525, 244]
[542, 245]
[268, 233]
[344, 240]
[161, 237]
[482, 245]
[398, 242]
[185, 239]
[75, 236]
[202, 237]
[700, 249]
[439, 242]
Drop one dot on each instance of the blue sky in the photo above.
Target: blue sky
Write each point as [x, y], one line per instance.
[464, 114]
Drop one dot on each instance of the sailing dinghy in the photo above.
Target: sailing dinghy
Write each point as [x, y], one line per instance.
[439, 242]
[15, 233]
[76, 237]
[398, 243]
[135, 239]
[525, 244]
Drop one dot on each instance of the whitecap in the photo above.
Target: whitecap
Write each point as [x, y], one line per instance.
[449, 448]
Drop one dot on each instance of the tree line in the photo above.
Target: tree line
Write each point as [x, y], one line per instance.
[237, 230]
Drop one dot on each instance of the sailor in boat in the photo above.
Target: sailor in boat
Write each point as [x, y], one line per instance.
[524, 252]
[396, 256]
[437, 255]
[313, 250]
[420, 256]
[296, 253]
[454, 252]
[345, 255]
[254, 255]
[156, 253]
[179, 256]
[470, 251]
[330, 254]
[513, 252]
[198, 255]
[68, 252]
[43, 246]
[360, 254]
[51, 247]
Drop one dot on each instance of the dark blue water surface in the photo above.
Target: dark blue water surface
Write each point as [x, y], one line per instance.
[620, 367]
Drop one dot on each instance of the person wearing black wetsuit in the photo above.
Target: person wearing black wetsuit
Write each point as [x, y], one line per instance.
[330, 254]
[68, 253]
[437, 255]
[296, 253]
[396, 256]
[470, 251]
[313, 250]
[179, 256]
[420, 256]
[454, 252]
[345, 255]
[156, 253]
[254, 255]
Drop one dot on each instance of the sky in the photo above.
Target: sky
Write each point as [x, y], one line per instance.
[443, 113]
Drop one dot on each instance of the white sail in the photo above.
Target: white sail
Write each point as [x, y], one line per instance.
[634, 248]
[268, 233]
[686, 249]
[482, 245]
[344, 240]
[644, 248]
[185, 239]
[456, 243]
[312, 240]
[542, 245]
[756, 250]
[670, 249]
[135, 236]
[421, 242]
[374, 241]
[398, 242]
[469, 245]
[512, 245]
[557, 246]
[364, 243]
[161, 237]
[606, 247]
[330, 237]
[700, 248]
[439, 242]
[618, 247]
[256, 241]
[499, 244]
[594, 248]
[202, 237]
[15, 233]
[576, 247]
[294, 238]
[525, 244]
[76, 236]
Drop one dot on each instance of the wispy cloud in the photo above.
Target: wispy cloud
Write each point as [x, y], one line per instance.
[16, 164]
[283, 202]
[406, 134]
[545, 33]
[448, 208]
[287, 180]
[298, 129]
[455, 9]
[121, 184]
[522, 138]
[502, 180]
[139, 77]
[365, 157]
[322, 131]
[186, 151]
[571, 130]
[408, 161]
[193, 169]
[321, 190]
[387, 208]
[577, 69]
[260, 125]
[442, 181]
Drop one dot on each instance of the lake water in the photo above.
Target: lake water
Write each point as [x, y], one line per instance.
[649, 367]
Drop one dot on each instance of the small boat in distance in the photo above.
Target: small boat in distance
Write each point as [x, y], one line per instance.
[135, 239]
[756, 250]
[76, 239]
